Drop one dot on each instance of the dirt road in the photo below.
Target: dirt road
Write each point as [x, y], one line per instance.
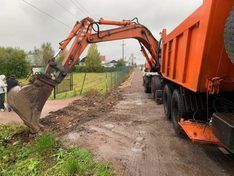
[128, 129]
[51, 105]
[138, 140]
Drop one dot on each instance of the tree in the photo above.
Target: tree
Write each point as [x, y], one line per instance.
[43, 54]
[13, 61]
[62, 56]
[47, 53]
[93, 58]
[120, 63]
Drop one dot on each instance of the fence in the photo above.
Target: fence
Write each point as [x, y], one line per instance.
[102, 82]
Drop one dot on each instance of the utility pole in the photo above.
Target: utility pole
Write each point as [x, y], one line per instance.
[123, 45]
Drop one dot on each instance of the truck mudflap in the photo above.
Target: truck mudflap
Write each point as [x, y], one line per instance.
[223, 124]
[200, 132]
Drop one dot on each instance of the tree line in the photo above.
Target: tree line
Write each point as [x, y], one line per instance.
[18, 62]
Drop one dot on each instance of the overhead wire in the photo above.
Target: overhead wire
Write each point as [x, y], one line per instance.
[83, 7]
[64, 8]
[89, 8]
[79, 8]
[47, 14]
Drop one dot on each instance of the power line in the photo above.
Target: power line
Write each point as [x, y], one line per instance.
[58, 3]
[82, 6]
[82, 11]
[90, 8]
[52, 17]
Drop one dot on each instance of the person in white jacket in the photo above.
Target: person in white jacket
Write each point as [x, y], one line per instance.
[3, 89]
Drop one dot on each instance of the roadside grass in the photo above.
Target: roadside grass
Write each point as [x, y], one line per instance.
[44, 156]
[102, 82]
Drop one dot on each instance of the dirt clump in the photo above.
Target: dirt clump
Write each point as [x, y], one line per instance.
[92, 106]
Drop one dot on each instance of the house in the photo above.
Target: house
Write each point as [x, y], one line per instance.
[111, 63]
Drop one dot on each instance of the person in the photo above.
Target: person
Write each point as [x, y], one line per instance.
[11, 83]
[3, 86]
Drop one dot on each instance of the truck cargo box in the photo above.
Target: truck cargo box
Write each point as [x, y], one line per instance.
[194, 52]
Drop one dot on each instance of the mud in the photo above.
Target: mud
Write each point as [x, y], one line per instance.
[128, 129]
[92, 106]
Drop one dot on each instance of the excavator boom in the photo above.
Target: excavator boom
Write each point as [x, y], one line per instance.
[28, 101]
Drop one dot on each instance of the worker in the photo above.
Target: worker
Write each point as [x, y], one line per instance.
[11, 83]
[3, 87]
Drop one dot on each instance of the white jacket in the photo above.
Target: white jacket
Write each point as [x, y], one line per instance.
[3, 85]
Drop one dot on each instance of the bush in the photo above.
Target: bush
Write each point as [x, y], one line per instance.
[84, 69]
[13, 61]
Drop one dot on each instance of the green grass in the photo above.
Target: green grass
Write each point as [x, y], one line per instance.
[44, 156]
[101, 82]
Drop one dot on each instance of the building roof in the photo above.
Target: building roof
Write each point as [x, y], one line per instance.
[113, 61]
[103, 58]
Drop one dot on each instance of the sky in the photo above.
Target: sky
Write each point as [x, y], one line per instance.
[25, 27]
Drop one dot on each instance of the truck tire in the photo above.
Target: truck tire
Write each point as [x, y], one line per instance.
[158, 91]
[167, 94]
[147, 84]
[177, 110]
[229, 36]
[153, 87]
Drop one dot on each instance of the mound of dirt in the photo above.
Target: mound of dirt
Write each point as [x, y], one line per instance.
[92, 106]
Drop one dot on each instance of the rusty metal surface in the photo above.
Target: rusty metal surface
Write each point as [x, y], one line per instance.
[200, 132]
[28, 102]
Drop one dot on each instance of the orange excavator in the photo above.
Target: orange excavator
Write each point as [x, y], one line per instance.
[29, 101]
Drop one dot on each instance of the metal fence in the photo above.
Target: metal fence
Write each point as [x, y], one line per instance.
[102, 82]
[65, 86]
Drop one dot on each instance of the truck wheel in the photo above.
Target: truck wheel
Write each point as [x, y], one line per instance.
[153, 87]
[158, 91]
[228, 36]
[177, 110]
[147, 84]
[167, 94]
[158, 97]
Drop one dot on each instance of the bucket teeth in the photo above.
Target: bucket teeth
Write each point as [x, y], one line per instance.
[28, 102]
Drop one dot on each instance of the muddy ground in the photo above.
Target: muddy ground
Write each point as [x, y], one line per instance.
[128, 129]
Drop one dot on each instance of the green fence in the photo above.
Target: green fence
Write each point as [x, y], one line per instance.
[102, 82]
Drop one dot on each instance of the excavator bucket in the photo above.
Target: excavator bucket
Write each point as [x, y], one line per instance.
[28, 102]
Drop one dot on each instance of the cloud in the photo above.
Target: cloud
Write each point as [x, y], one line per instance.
[25, 27]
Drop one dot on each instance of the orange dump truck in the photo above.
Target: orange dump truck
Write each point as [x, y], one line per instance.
[196, 79]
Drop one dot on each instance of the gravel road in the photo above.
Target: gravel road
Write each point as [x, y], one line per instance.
[138, 140]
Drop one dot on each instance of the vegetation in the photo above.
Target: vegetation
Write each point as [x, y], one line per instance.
[93, 57]
[62, 56]
[120, 63]
[43, 54]
[13, 61]
[101, 82]
[85, 69]
[44, 156]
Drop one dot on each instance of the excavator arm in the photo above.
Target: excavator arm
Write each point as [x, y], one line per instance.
[29, 101]
[84, 33]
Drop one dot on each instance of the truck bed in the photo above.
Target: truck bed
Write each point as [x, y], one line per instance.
[194, 52]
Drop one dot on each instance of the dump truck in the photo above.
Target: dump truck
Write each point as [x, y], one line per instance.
[196, 78]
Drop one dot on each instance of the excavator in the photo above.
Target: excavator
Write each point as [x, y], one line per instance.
[29, 100]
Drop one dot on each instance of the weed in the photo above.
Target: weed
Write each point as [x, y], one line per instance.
[45, 143]
[45, 156]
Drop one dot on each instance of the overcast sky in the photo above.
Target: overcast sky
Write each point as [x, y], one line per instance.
[25, 27]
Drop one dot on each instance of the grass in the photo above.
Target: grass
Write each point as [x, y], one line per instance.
[44, 156]
[101, 82]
